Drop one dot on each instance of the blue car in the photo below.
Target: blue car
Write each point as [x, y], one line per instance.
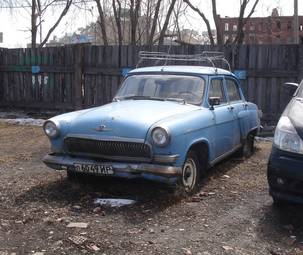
[285, 166]
[167, 123]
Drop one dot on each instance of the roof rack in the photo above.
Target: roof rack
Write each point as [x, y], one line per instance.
[211, 57]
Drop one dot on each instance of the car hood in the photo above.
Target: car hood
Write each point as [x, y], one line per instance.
[295, 114]
[128, 119]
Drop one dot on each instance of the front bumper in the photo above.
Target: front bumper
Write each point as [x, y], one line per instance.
[164, 173]
[285, 176]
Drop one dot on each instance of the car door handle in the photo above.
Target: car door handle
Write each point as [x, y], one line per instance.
[230, 108]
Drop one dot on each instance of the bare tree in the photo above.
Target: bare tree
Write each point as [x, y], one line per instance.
[117, 14]
[62, 14]
[154, 23]
[38, 10]
[166, 22]
[206, 21]
[102, 22]
[217, 22]
[242, 20]
[134, 15]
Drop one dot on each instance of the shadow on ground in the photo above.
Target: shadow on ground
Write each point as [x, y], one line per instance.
[63, 192]
[283, 223]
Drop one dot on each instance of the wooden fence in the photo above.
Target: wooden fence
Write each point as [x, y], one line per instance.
[80, 76]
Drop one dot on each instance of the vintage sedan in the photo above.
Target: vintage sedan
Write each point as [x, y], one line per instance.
[285, 166]
[166, 123]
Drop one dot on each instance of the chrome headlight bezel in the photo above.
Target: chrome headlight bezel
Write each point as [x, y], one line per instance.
[286, 137]
[51, 129]
[160, 136]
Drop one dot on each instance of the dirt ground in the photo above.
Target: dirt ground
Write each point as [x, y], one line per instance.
[232, 214]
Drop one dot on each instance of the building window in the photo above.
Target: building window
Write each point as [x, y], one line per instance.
[226, 38]
[278, 23]
[260, 28]
[226, 26]
[289, 25]
[251, 27]
[235, 27]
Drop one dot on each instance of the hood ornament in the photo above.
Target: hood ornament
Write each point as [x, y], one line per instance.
[102, 128]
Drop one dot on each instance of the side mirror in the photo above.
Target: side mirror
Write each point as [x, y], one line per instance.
[291, 84]
[213, 101]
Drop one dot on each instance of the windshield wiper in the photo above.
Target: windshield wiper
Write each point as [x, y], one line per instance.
[136, 97]
[175, 99]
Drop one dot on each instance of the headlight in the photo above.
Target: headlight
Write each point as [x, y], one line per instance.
[160, 136]
[286, 137]
[50, 129]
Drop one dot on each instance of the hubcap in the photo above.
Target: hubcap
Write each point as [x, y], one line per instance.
[189, 174]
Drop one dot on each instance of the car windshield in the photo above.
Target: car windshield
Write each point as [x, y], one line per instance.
[189, 89]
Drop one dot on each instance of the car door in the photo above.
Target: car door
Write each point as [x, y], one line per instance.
[223, 118]
[236, 105]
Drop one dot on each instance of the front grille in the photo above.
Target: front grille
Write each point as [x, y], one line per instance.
[107, 149]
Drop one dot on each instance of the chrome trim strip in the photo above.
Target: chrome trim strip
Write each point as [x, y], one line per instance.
[62, 162]
[166, 158]
[106, 138]
[226, 154]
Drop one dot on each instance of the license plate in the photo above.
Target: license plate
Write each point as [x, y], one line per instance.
[94, 169]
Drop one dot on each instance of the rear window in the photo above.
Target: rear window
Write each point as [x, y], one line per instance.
[232, 90]
[216, 90]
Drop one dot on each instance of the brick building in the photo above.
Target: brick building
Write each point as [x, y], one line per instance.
[274, 29]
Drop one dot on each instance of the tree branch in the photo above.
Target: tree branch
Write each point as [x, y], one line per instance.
[206, 21]
[63, 13]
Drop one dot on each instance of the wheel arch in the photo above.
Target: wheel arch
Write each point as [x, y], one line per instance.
[254, 131]
[201, 148]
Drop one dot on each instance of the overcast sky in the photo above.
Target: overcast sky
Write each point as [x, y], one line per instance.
[15, 26]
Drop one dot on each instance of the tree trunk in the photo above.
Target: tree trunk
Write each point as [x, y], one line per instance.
[242, 21]
[154, 24]
[34, 24]
[102, 23]
[217, 23]
[117, 14]
[165, 25]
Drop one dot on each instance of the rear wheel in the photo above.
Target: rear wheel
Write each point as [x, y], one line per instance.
[248, 147]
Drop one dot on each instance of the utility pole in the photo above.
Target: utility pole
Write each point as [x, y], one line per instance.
[296, 23]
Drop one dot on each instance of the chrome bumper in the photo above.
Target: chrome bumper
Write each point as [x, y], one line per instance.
[64, 162]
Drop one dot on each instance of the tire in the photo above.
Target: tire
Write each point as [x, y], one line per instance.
[248, 147]
[278, 202]
[73, 176]
[191, 172]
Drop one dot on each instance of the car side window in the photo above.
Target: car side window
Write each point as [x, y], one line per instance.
[300, 90]
[232, 90]
[216, 90]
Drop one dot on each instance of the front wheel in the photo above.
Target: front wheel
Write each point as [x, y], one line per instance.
[190, 174]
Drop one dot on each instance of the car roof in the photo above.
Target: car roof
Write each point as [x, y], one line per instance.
[183, 69]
